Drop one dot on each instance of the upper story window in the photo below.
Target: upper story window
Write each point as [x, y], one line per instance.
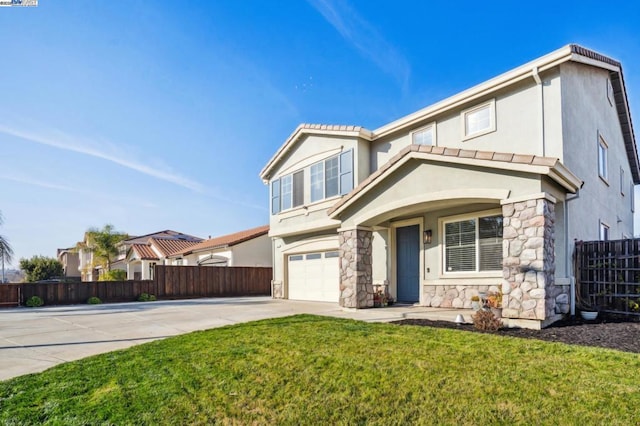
[610, 92]
[622, 181]
[632, 196]
[424, 136]
[603, 169]
[287, 192]
[479, 120]
[331, 177]
[473, 245]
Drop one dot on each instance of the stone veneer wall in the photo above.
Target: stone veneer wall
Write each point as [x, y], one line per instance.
[356, 283]
[454, 296]
[528, 288]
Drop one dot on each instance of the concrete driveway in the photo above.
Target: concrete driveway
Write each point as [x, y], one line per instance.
[34, 339]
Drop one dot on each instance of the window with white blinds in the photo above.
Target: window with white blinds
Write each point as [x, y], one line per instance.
[473, 245]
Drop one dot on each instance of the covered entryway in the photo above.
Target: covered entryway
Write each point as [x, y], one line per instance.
[408, 263]
[314, 276]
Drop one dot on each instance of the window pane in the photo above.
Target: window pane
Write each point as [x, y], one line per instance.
[314, 256]
[331, 177]
[275, 196]
[295, 258]
[298, 188]
[317, 181]
[460, 246]
[478, 120]
[285, 190]
[490, 243]
[331, 254]
[346, 172]
[602, 160]
[423, 137]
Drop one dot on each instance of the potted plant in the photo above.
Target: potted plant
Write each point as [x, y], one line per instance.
[475, 303]
[494, 303]
[588, 310]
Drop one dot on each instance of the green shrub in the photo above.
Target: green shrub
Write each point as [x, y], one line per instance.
[486, 321]
[115, 275]
[34, 302]
[94, 300]
[144, 297]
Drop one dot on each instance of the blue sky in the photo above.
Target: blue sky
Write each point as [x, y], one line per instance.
[159, 114]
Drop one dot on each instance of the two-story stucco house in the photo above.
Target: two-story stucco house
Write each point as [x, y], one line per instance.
[487, 189]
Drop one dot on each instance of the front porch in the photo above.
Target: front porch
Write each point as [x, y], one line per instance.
[441, 244]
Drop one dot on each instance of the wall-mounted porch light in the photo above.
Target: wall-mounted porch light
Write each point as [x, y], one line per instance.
[426, 237]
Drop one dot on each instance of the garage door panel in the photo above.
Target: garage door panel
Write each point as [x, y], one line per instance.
[314, 276]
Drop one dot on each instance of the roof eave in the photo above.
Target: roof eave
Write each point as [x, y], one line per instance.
[303, 130]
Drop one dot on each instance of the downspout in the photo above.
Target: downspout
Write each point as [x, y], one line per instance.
[538, 80]
[569, 255]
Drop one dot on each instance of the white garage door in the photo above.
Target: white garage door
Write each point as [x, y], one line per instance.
[314, 276]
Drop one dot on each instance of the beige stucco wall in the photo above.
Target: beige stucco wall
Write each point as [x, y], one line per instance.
[586, 114]
[421, 184]
[255, 252]
[519, 126]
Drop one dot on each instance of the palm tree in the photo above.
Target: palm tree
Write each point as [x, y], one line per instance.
[6, 252]
[103, 243]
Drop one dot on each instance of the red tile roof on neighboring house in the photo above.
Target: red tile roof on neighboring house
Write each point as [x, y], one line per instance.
[144, 252]
[166, 234]
[226, 240]
[166, 246]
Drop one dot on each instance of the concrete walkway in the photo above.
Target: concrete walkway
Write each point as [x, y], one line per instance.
[34, 339]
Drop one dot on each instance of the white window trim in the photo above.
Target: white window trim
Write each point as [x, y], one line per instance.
[492, 119]
[441, 242]
[610, 95]
[632, 196]
[603, 143]
[600, 229]
[622, 182]
[431, 125]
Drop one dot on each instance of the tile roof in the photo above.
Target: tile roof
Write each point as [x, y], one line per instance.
[226, 240]
[166, 246]
[503, 157]
[167, 233]
[144, 252]
[571, 52]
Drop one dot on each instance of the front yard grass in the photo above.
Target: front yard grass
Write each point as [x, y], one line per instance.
[315, 370]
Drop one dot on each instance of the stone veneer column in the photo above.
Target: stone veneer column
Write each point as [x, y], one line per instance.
[528, 260]
[356, 283]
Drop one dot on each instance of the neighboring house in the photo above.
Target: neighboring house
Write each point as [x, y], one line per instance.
[86, 265]
[90, 272]
[251, 247]
[143, 257]
[70, 260]
[123, 248]
[485, 190]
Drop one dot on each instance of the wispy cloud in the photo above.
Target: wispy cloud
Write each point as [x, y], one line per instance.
[100, 149]
[365, 38]
[57, 187]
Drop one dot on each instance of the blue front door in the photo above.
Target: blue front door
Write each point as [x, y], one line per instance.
[408, 263]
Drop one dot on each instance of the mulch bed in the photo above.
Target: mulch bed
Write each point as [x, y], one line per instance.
[621, 333]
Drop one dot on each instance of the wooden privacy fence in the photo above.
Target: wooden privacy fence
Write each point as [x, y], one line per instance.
[170, 282]
[608, 275]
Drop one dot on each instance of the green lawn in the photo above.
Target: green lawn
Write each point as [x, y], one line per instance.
[316, 370]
